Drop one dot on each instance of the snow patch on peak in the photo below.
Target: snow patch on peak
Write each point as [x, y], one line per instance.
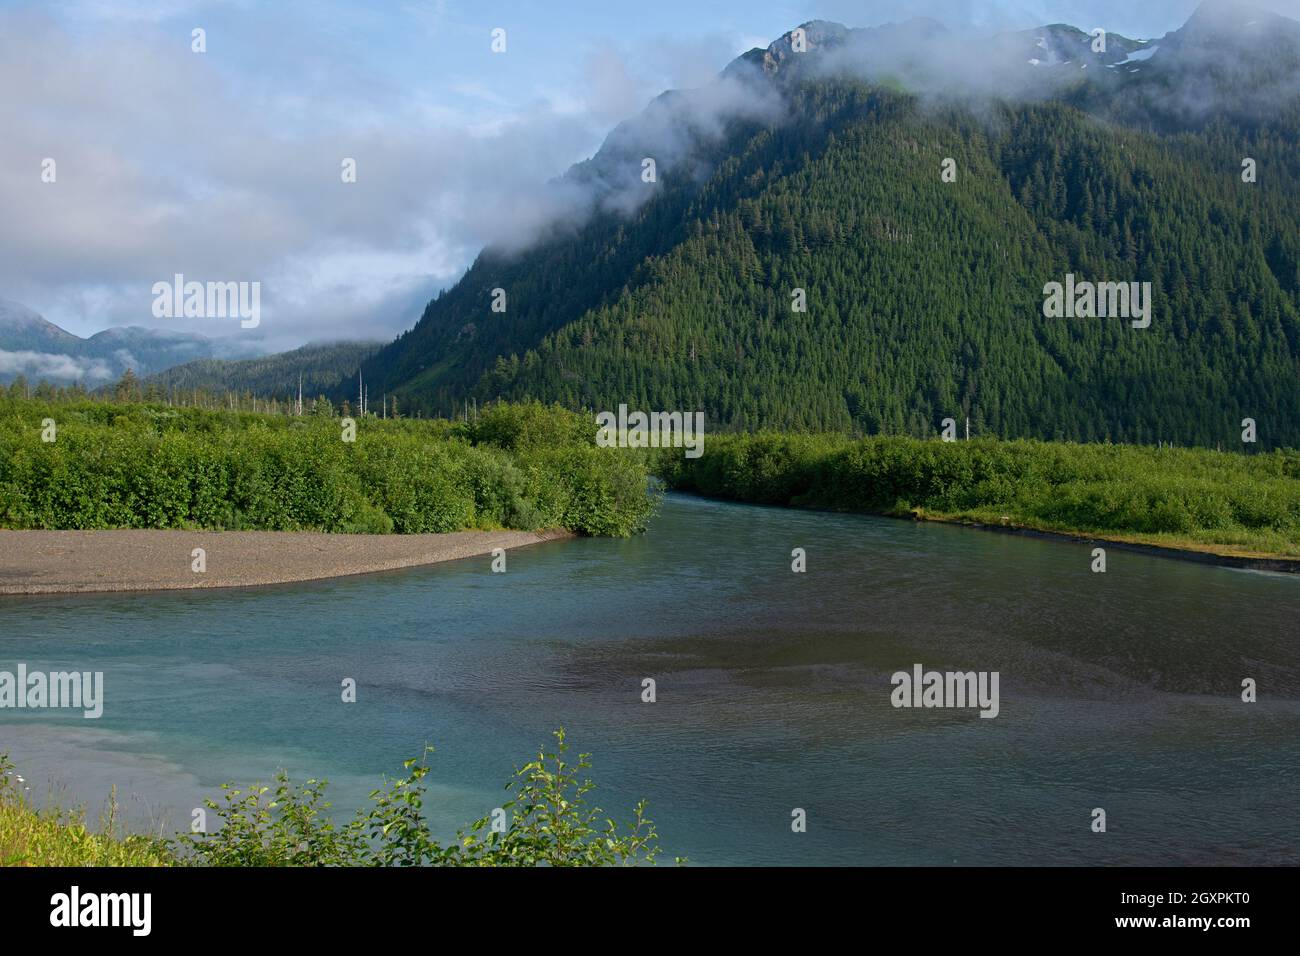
[1145, 54]
[1137, 56]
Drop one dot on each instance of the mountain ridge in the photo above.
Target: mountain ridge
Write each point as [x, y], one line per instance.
[676, 293]
[38, 350]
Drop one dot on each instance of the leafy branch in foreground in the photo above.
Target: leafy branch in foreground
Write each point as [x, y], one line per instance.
[292, 828]
[554, 824]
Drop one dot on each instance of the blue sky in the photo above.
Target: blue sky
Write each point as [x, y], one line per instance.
[225, 165]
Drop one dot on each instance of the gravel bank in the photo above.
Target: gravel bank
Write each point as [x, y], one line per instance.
[57, 562]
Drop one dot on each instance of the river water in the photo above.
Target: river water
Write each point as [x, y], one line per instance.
[1119, 691]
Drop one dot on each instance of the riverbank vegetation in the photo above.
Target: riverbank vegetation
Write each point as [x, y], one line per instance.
[549, 820]
[83, 464]
[1226, 503]
[55, 837]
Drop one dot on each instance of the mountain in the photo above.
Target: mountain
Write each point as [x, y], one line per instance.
[924, 56]
[324, 369]
[21, 329]
[821, 171]
[1228, 63]
[41, 351]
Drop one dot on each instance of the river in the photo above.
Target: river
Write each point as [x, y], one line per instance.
[1120, 691]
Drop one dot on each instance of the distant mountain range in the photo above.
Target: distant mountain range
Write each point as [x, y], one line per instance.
[41, 351]
[817, 178]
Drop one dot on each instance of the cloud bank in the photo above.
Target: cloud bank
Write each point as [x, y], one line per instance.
[167, 161]
[230, 169]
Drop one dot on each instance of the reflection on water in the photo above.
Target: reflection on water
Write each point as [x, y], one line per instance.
[1118, 690]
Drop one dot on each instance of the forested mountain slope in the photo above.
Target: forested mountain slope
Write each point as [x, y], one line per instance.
[924, 296]
[322, 368]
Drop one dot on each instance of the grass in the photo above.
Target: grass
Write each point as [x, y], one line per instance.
[32, 837]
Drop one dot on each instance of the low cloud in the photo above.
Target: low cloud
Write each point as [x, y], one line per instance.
[44, 366]
[170, 162]
[1222, 39]
[165, 165]
[672, 131]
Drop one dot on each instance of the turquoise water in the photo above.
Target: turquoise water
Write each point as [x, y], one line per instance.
[1118, 690]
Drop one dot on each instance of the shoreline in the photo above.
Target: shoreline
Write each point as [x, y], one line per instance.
[1251, 562]
[136, 559]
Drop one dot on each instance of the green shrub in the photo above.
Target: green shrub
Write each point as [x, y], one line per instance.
[1167, 494]
[551, 823]
[526, 467]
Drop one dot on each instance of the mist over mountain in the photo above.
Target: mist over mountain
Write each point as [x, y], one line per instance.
[41, 351]
[821, 171]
